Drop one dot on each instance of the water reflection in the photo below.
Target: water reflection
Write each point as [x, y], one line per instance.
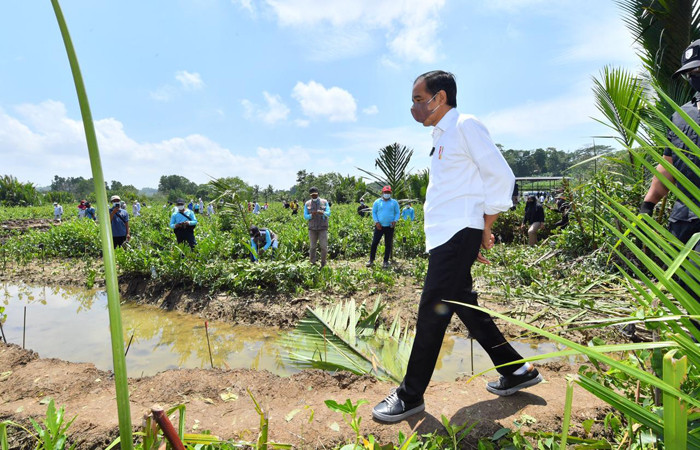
[73, 324]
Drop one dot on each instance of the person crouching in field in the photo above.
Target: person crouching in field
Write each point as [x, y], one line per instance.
[183, 222]
[261, 240]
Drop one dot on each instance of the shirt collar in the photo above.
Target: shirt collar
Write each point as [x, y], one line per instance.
[447, 121]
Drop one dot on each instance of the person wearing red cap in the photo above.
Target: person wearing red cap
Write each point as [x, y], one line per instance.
[385, 212]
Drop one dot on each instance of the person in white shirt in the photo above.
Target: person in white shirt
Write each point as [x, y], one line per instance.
[210, 209]
[136, 208]
[470, 184]
[57, 211]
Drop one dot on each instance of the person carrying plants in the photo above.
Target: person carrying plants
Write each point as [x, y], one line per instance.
[316, 213]
[261, 240]
[534, 216]
[385, 212]
[120, 221]
[470, 184]
[294, 206]
[408, 213]
[183, 222]
[682, 223]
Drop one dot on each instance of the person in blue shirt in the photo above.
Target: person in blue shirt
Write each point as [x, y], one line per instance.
[385, 212]
[90, 212]
[120, 222]
[256, 208]
[408, 213]
[262, 239]
[183, 222]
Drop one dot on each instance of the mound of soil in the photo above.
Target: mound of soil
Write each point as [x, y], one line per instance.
[218, 400]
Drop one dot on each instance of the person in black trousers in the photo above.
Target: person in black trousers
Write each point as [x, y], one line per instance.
[470, 184]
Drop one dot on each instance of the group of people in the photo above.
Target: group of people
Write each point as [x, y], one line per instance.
[85, 210]
[470, 185]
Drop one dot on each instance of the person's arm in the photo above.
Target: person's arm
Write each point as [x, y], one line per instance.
[172, 221]
[193, 219]
[327, 212]
[268, 241]
[496, 174]
[128, 230]
[397, 212]
[375, 215]
[657, 190]
[307, 216]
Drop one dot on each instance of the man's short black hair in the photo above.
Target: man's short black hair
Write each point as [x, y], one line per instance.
[439, 80]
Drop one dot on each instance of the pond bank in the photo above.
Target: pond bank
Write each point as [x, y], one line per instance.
[217, 400]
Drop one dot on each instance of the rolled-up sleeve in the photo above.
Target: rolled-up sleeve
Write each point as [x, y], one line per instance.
[496, 175]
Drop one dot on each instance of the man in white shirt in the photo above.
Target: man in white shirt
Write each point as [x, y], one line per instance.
[470, 184]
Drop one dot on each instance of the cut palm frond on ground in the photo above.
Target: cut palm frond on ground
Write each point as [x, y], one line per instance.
[344, 337]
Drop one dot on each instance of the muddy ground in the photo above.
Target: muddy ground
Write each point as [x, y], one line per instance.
[217, 400]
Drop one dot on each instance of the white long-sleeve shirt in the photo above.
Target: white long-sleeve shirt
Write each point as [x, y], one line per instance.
[468, 178]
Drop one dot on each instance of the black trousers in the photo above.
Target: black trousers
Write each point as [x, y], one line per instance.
[388, 233]
[185, 235]
[118, 240]
[684, 231]
[449, 278]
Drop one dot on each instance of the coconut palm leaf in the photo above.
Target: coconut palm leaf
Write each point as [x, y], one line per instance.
[328, 339]
[619, 96]
[663, 29]
[393, 161]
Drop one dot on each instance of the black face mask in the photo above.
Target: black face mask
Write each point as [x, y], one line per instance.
[695, 82]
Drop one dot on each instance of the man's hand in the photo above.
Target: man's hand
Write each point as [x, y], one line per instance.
[393, 224]
[128, 237]
[487, 239]
[378, 225]
[480, 258]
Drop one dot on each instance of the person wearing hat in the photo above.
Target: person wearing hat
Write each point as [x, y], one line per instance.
[262, 239]
[183, 222]
[385, 212]
[57, 211]
[316, 213]
[470, 184]
[120, 222]
[534, 216]
[682, 223]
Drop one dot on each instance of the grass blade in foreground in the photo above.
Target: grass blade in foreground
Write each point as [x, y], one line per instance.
[115, 320]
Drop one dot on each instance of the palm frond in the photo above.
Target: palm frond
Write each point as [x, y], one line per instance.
[329, 339]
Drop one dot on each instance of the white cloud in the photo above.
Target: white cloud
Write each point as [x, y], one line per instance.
[371, 110]
[245, 4]
[189, 80]
[274, 112]
[39, 141]
[336, 104]
[302, 123]
[409, 26]
[514, 6]
[163, 93]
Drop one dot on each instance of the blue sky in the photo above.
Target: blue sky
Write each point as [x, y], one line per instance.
[263, 88]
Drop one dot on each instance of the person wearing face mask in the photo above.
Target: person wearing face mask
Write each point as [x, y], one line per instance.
[316, 212]
[183, 222]
[120, 222]
[385, 212]
[262, 240]
[534, 216]
[470, 184]
[682, 223]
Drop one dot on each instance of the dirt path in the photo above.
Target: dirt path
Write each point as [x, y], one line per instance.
[89, 393]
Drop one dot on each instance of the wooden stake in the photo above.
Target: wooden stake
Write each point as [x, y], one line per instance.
[206, 329]
[168, 430]
[24, 327]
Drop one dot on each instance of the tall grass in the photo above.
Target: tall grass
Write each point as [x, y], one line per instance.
[115, 323]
